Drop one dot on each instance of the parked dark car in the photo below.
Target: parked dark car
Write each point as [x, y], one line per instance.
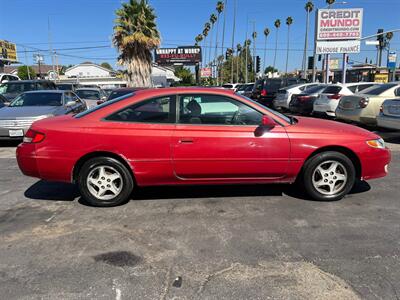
[116, 93]
[11, 89]
[265, 90]
[68, 86]
[303, 103]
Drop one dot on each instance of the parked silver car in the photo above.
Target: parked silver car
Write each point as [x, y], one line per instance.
[389, 117]
[92, 96]
[29, 107]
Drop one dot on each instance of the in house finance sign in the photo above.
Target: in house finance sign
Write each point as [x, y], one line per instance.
[339, 30]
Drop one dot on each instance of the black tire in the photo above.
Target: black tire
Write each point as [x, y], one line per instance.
[316, 161]
[126, 179]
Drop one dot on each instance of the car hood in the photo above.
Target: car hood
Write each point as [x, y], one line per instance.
[27, 112]
[318, 126]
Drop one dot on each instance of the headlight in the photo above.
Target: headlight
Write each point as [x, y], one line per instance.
[379, 143]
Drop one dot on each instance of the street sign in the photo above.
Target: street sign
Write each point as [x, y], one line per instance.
[371, 43]
[205, 72]
[334, 64]
[38, 58]
[8, 51]
[187, 55]
[334, 47]
[339, 24]
[391, 62]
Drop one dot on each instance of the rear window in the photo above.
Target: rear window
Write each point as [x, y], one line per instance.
[64, 86]
[227, 86]
[116, 94]
[315, 89]
[96, 108]
[89, 94]
[38, 99]
[332, 89]
[17, 87]
[377, 90]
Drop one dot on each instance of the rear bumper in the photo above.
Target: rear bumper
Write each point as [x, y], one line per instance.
[281, 103]
[26, 158]
[325, 108]
[355, 115]
[388, 122]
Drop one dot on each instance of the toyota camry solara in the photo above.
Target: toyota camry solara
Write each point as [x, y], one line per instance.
[189, 136]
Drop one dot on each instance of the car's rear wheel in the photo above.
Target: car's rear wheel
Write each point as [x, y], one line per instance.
[105, 181]
[329, 176]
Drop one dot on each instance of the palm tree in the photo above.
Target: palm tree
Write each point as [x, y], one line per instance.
[277, 24]
[266, 33]
[220, 9]
[198, 39]
[330, 2]
[309, 8]
[135, 35]
[206, 30]
[238, 60]
[289, 21]
[213, 19]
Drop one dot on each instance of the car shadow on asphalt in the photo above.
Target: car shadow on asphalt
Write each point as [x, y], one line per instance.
[10, 144]
[55, 191]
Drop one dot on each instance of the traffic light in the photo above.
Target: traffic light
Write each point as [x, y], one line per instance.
[380, 37]
[258, 64]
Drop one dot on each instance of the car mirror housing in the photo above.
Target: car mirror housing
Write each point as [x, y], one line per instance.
[70, 103]
[266, 125]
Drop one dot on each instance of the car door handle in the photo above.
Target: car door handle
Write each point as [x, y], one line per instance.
[185, 141]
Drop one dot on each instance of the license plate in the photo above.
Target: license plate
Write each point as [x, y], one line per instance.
[394, 110]
[347, 105]
[16, 133]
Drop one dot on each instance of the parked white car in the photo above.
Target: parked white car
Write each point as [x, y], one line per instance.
[4, 77]
[231, 86]
[328, 100]
[284, 95]
[389, 117]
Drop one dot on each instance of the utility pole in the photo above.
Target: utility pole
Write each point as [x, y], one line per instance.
[254, 49]
[50, 44]
[314, 70]
[26, 63]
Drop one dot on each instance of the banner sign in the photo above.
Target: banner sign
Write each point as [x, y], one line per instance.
[8, 51]
[381, 78]
[339, 24]
[391, 62]
[205, 72]
[188, 55]
[334, 64]
[333, 47]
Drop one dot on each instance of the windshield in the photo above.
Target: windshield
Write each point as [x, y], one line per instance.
[88, 94]
[95, 108]
[279, 115]
[37, 99]
[379, 89]
[116, 94]
[16, 87]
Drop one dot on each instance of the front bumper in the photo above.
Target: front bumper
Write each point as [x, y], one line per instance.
[375, 163]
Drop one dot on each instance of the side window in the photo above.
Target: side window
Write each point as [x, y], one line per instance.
[353, 88]
[397, 92]
[67, 97]
[216, 110]
[157, 110]
[364, 86]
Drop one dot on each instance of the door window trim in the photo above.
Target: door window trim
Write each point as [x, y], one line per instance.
[172, 111]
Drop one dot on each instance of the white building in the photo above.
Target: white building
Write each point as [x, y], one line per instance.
[88, 70]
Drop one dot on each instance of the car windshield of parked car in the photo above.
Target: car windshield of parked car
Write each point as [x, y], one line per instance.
[379, 89]
[105, 104]
[37, 99]
[116, 94]
[89, 94]
[65, 87]
[16, 87]
[278, 114]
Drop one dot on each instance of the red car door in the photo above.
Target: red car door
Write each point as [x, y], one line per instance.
[215, 140]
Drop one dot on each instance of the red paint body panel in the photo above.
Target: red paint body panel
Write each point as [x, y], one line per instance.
[167, 154]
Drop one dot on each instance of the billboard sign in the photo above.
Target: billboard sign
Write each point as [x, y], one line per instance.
[187, 55]
[335, 47]
[8, 51]
[339, 24]
[205, 72]
[391, 62]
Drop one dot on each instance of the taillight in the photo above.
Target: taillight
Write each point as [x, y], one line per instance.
[33, 136]
[264, 92]
[363, 102]
[303, 98]
[381, 109]
[335, 97]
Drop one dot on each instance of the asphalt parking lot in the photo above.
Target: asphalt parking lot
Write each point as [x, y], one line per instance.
[231, 242]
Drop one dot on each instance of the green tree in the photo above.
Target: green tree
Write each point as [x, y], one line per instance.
[270, 69]
[106, 65]
[289, 22]
[135, 35]
[277, 24]
[23, 73]
[185, 75]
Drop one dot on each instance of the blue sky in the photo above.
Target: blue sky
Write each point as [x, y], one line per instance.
[88, 23]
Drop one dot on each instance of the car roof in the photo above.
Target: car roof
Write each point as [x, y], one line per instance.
[133, 89]
[46, 92]
[185, 90]
[88, 89]
[358, 83]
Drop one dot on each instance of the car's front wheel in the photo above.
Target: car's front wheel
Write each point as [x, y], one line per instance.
[329, 176]
[105, 181]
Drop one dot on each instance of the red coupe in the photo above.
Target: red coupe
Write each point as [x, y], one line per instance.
[190, 136]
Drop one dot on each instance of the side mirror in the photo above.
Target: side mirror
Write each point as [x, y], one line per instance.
[266, 125]
[70, 103]
[104, 98]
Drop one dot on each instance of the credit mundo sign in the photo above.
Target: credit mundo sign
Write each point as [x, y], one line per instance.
[339, 24]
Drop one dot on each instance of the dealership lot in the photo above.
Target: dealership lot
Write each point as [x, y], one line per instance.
[203, 242]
